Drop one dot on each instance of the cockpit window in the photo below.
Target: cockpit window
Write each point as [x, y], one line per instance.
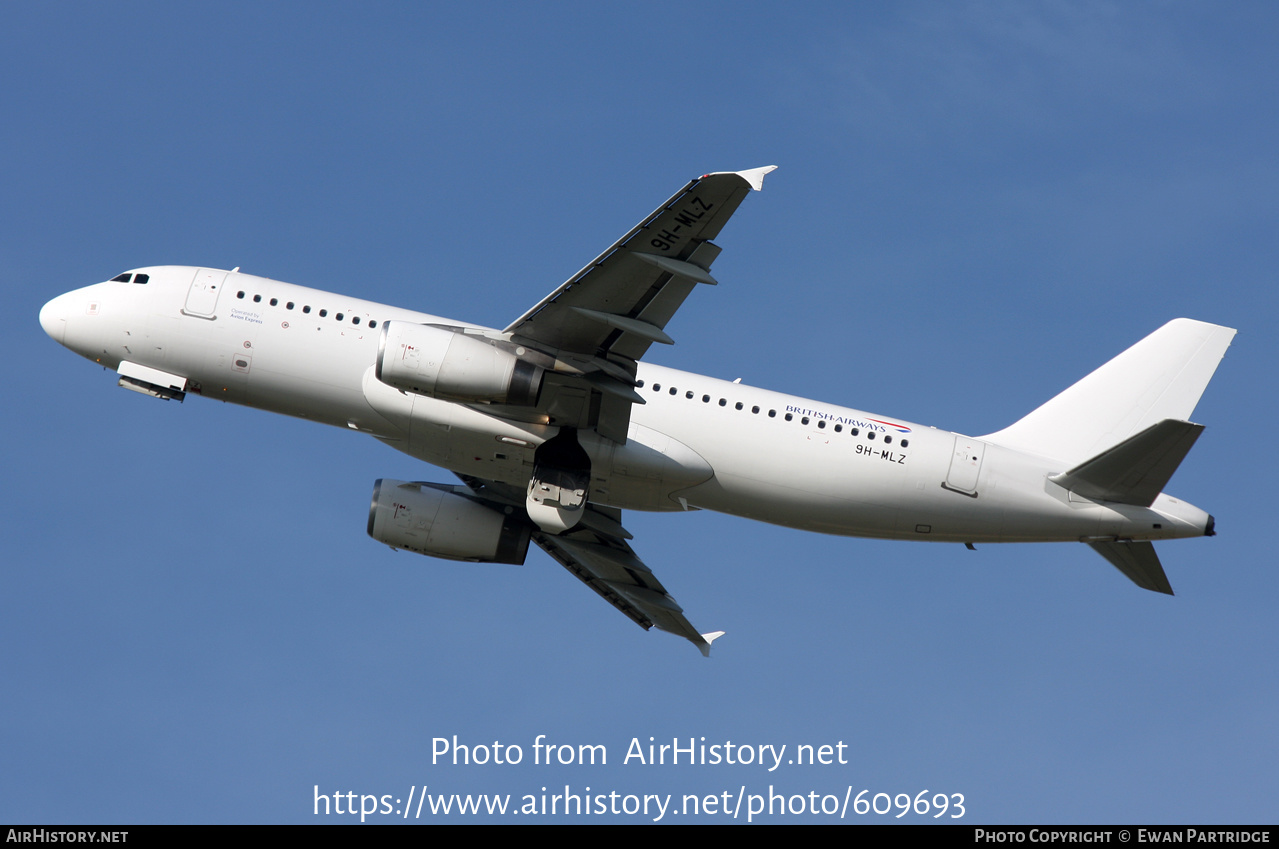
[123, 278]
[142, 278]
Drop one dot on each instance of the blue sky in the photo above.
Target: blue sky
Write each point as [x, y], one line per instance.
[976, 205]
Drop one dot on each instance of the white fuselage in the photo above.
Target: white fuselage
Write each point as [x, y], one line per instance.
[697, 442]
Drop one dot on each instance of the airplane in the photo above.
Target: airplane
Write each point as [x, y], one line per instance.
[554, 425]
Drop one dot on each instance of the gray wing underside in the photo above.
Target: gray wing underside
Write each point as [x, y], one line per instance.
[620, 302]
[603, 319]
[597, 553]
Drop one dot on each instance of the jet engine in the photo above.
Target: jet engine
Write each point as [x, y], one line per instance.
[440, 521]
[447, 363]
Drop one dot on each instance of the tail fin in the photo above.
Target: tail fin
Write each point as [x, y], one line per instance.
[1161, 377]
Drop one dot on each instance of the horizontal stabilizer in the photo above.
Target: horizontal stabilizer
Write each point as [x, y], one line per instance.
[1138, 561]
[1136, 470]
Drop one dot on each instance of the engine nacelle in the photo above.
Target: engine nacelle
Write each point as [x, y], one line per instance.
[435, 520]
[442, 363]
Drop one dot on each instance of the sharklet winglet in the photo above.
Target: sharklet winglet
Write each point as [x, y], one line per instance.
[707, 639]
[753, 176]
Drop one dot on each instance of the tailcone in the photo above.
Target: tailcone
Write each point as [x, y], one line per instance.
[1182, 520]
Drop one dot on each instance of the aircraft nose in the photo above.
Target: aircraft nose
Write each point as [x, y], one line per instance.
[53, 318]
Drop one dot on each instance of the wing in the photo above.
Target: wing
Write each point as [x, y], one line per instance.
[596, 551]
[603, 319]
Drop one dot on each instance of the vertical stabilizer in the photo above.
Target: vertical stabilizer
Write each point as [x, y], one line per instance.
[1161, 377]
